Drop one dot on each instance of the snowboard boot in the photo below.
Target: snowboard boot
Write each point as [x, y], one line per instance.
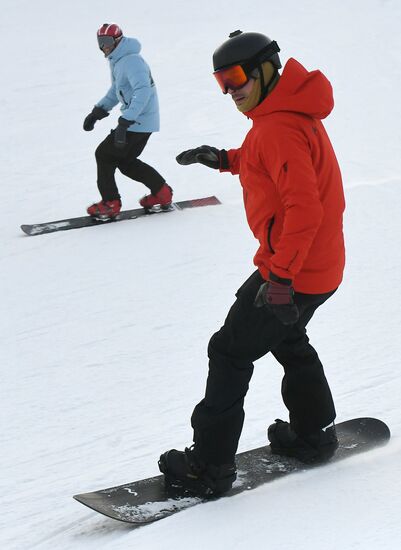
[104, 210]
[185, 469]
[318, 446]
[160, 200]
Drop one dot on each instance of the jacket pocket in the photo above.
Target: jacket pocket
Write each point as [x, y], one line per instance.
[123, 98]
[269, 233]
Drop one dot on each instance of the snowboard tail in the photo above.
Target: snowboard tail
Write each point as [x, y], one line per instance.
[89, 221]
[148, 500]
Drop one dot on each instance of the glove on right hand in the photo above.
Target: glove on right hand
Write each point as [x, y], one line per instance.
[120, 133]
[279, 298]
[97, 114]
[209, 156]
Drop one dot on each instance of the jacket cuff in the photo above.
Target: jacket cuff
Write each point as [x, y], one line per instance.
[124, 122]
[100, 112]
[224, 164]
[276, 279]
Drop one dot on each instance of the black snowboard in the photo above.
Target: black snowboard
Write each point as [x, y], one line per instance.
[148, 500]
[88, 221]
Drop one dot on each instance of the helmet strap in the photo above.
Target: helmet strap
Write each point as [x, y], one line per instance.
[266, 87]
[263, 88]
[266, 77]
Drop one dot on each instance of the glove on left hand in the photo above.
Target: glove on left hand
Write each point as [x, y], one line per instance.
[120, 133]
[279, 298]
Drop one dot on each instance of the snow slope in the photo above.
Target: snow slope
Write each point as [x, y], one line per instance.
[104, 330]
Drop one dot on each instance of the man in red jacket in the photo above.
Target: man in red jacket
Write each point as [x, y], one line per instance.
[294, 203]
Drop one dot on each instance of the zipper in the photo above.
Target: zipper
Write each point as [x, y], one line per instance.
[269, 231]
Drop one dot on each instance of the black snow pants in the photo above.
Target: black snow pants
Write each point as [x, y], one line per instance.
[109, 158]
[248, 334]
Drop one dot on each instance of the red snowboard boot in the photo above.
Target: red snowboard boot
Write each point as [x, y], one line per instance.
[104, 210]
[162, 198]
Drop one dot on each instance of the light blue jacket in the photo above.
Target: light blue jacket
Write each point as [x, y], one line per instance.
[132, 85]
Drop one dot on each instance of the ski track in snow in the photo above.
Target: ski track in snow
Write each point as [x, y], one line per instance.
[104, 330]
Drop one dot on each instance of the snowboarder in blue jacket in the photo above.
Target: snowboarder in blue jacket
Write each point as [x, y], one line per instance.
[132, 85]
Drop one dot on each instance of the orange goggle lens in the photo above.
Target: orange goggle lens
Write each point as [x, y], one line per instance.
[233, 77]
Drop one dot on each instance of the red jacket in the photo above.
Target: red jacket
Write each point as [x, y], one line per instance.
[292, 185]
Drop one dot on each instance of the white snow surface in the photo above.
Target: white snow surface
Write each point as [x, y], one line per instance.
[104, 330]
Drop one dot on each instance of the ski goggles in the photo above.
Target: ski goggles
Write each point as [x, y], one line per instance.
[232, 78]
[236, 76]
[105, 41]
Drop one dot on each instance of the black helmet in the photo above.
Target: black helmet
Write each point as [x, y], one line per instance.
[246, 48]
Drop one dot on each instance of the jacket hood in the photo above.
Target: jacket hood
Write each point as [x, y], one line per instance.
[299, 91]
[127, 46]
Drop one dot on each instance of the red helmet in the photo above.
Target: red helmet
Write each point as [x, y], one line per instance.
[109, 35]
[110, 29]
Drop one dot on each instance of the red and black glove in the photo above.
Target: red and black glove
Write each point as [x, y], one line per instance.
[278, 295]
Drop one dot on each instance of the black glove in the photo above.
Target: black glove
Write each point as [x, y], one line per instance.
[120, 133]
[278, 295]
[209, 156]
[97, 114]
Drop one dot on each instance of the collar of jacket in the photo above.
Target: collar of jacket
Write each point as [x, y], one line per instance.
[127, 46]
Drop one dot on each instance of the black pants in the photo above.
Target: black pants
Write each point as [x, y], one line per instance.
[248, 334]
[108, 158]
